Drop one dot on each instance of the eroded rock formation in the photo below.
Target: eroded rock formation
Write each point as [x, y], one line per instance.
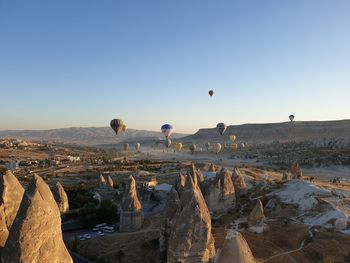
[35, 235]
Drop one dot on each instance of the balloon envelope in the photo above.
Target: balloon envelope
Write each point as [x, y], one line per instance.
[167, 130]
[178, 146]
[291, 117]
[124, 128]
[137, 146]
[211, 93]
[221, 128]
[217, 147]
[193, 148]
[232, 138]
[116, 125]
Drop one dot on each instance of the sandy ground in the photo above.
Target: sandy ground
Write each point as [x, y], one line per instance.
[325, 173]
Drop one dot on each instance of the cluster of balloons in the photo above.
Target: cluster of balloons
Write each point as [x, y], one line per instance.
[118, 125]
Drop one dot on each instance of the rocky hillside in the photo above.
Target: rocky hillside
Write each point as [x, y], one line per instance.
[270, 132]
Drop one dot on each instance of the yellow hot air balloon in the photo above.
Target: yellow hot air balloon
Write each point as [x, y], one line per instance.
[234, 146]
[232, 137]
[178, 146]
[124, 128]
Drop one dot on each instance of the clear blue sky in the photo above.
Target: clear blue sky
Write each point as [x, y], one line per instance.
[81, 63]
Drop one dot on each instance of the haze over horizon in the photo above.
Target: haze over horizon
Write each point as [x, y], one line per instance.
[82, 63]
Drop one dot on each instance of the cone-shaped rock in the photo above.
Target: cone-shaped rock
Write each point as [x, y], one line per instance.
[101, 180]
[286, 176]
[256, 217]
[180, 183]
[296, 171]
[61, 198]
[131, 215]
[173, 207]
[197, 175]
[238, 181]
[173, 204]
[234, 250]
[186, 194]
[220, 193]
[110, 182]
[35, 235]
[11, 193]
[191, 239]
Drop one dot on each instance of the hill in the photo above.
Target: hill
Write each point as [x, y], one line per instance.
[269, 132]
[87, 136]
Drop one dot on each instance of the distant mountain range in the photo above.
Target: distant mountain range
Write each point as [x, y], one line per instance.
[86, 135]
[251, 133]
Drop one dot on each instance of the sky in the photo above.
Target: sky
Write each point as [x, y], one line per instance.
[82, 63]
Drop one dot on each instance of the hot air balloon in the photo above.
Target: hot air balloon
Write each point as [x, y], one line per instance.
[167, 130]
[217, 147]
[137, 146]
[234, 147]
[167, 142]
[207, 145]
[124, 128]
[116, 125]
[193, 148]
[126, 146]
[221, 128]
[211, 93]
[291, 118]
[232, 137]
[242, 145]
[178, 146]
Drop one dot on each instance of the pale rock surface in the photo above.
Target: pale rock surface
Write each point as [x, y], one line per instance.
[61, 198]
[256, 218]
[180, 183]
[296, 172]
[234, 250]
[191, 239]
[286, 176]
[220, 193]
[36, 234]
[173, 208]
[101, 180]
[11, 193]
[238, 181]
[110, 182]
[131, 214]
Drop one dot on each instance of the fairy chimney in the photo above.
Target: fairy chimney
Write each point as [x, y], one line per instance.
[220, 193]
[61, 198]
[190, 238]
[234, 250]
[36, 234]
[11, 193]
[131, 214]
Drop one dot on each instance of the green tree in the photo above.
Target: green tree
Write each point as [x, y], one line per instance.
[88, 215]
